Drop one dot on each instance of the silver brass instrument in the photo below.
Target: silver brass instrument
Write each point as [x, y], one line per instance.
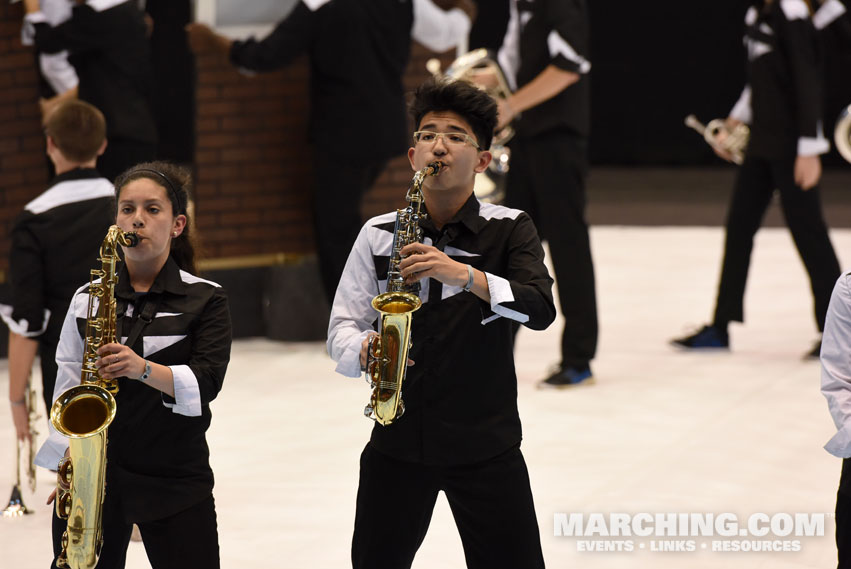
[387, 354]
[83, 413]
[16, 506]
[733, 141]
[842, 133]
[480, 68]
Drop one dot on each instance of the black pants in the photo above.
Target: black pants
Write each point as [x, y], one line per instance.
[491, 502]
[340, 186]
[755, 184]
[547, 180]
[185, 540]
[843, 516]
[121, 154]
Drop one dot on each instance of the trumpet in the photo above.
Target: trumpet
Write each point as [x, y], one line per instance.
[717, 135]
[16, 507]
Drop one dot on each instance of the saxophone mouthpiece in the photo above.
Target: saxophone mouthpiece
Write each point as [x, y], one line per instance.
[132, 239]
[434, 168]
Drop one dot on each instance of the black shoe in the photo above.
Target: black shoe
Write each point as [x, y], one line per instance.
[568, 377]
[708, 337]
[814, 353]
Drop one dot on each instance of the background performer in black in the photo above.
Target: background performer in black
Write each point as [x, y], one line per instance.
[782, 103]
[545, 58]
[358, 52]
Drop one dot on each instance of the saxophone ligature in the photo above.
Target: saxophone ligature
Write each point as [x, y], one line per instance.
[387, 353]
[481, 68]
[83, 413]
[16, 507]
[718, 135]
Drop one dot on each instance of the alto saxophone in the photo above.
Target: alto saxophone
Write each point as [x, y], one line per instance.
[83, 413]
[387, 353]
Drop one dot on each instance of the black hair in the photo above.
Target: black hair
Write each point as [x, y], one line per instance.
[461, 97]
[176, 182]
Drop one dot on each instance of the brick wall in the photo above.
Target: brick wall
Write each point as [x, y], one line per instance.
[23, 164]
[252, 164]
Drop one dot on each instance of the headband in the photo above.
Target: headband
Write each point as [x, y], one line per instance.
[180, 207]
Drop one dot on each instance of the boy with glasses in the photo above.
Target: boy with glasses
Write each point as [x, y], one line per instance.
[481, 269]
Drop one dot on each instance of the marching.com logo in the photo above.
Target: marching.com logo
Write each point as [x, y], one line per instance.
[678, 531]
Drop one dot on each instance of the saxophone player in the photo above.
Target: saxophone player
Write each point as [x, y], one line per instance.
[175, 336]
[481, 269]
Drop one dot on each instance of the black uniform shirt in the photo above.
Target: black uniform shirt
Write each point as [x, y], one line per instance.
[461, 394]
[358, 52]
[158, 459]
[55, 243]
[784, 82]
[542, 33]
[109, 49]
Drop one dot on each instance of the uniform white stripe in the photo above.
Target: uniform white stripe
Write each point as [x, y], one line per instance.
[71, 191]
[558, 46]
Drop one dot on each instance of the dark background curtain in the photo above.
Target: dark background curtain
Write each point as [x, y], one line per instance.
[653, 63]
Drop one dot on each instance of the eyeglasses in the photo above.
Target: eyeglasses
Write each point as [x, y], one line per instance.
[449, 138]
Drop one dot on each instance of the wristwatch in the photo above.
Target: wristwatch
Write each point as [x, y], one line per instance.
[147, 374]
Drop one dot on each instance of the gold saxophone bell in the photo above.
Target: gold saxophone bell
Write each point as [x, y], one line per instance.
[83, 413]
[718, 135]
[387, 353]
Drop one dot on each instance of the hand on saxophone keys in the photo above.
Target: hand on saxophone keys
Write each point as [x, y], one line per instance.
[118, 360]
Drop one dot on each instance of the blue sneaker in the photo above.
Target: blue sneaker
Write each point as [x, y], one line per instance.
[708, 337]
[568, 377]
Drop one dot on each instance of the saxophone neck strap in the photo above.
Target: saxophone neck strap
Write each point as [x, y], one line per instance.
[143, 318]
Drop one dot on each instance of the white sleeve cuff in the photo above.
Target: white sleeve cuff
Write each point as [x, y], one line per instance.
[57, 71]
[187, 394]
[500, 291]
[812, 146]
[52, 451]
[22, 328]
[840, 444]
[349, 362]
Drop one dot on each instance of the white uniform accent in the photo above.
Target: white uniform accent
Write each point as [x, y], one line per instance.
[509, 54]
[835, 368]
[558, 46]
[742, 109]
[186, 393]
[437, 29]
[21, 328]
[101, 5]
[154, 344]
[71, 191]
[795, 9]
[314, 5]
[827, 13]
[189, 278]
[493, 211]
[813, 146]
[500, 291]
